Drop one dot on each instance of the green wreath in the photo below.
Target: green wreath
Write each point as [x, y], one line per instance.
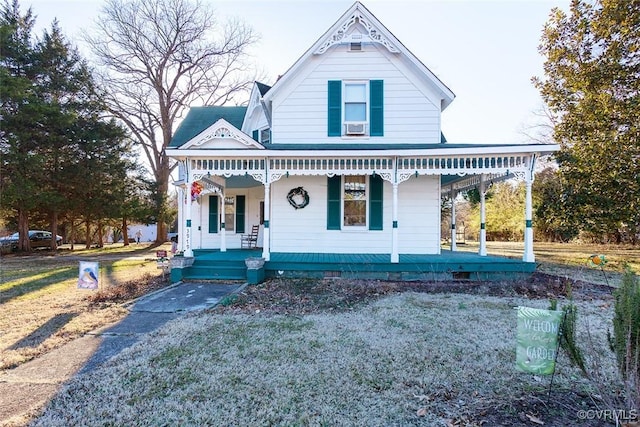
[298, 198]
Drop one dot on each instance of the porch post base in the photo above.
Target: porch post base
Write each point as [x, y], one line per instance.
[178, 265]
[255, 275]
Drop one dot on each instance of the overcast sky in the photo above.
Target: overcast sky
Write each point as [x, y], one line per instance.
[484, 51]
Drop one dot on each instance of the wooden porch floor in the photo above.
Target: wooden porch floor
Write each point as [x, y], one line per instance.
[446, 266]
[446, 256]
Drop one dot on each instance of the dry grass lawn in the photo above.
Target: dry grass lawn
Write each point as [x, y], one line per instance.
[405, 359]
[42, 308]
[314, 356]
[569, 259]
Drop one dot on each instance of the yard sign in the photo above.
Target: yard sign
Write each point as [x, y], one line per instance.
[537, 340]
[88, 275]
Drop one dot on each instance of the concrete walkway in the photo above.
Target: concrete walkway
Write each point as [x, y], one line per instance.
[25, 389]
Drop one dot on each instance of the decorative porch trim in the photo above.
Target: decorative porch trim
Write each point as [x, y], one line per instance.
[210, 187]
[390, 168]
[334, 165]
[463, 165]
[474, 181]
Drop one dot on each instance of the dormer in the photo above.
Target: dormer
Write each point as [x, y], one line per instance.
[257, 120]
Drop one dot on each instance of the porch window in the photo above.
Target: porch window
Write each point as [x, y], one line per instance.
[213, 214]
[240, 213]
[354, 201]
[229, 213]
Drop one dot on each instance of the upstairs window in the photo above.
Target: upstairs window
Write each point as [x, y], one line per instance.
[355, 102]
[355, 108]
[265, 136]
[262, 135]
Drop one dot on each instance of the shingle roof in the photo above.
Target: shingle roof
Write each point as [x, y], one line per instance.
[200, 118]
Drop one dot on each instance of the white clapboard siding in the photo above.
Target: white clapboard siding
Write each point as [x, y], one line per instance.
[411, 108]
[305, 230]
[419, 216]
[257, 121]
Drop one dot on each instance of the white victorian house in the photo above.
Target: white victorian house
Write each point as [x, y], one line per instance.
[342, 156]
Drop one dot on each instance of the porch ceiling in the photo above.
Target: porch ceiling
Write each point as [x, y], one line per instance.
[241, 182]
[465, 183]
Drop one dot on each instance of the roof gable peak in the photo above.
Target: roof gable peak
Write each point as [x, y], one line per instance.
[341, 32]
[358, 21]
[222, 130]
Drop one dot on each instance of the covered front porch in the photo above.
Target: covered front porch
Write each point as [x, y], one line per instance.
[213, 264]
[408, 184]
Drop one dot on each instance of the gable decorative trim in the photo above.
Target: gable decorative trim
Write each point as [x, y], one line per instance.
[222, 130]
[374, 35]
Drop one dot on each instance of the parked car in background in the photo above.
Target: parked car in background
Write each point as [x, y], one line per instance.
[38, 238]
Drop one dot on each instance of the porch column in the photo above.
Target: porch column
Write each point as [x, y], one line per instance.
[528, 255]
[395, 257]
[483, 231]
[453, 221]
[267, 209]
[223, 231]
[181, 202]
[188, 252]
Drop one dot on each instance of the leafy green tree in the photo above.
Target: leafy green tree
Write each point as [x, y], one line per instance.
[504, 209]
[550, 206]
[592, 87]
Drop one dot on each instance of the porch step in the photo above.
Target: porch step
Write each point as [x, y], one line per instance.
[210, 269]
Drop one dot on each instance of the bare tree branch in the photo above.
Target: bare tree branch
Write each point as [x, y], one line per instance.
[541, 129]
[158, 57]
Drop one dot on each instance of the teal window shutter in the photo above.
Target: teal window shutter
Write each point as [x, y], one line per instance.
[335, 108]
[255, 135]
[333, 202]
[213, 214]
[240, 214]
[376, 108]
[375, 202]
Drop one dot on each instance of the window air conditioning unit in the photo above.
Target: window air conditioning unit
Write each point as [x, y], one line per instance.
[355, 128]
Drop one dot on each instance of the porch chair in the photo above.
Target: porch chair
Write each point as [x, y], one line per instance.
[249, 241]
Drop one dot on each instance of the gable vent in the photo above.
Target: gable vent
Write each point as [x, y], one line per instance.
[355, 47]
